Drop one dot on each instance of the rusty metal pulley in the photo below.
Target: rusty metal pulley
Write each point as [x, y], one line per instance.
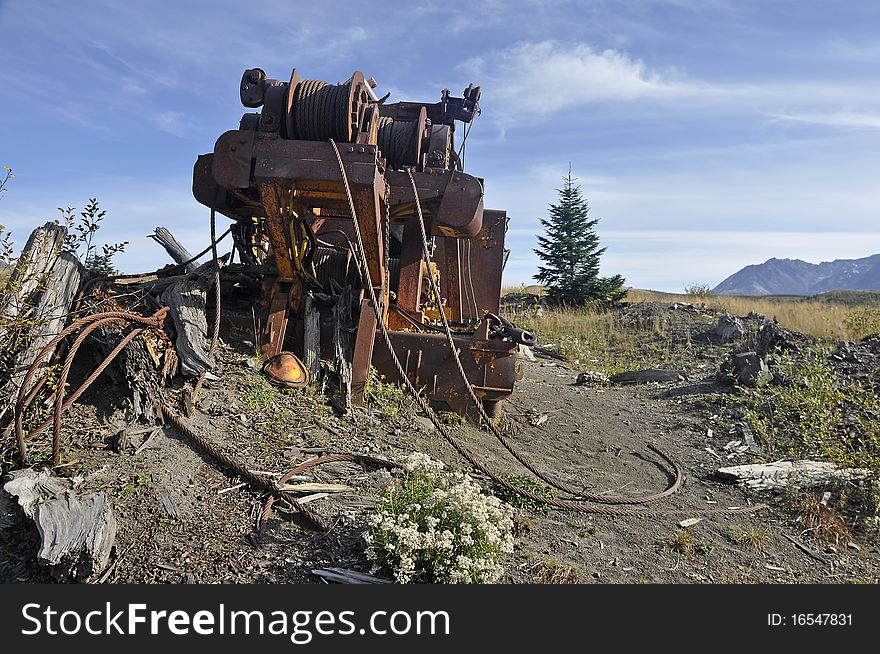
[286, 369]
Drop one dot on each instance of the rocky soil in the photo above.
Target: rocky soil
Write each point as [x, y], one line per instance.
[181, 519]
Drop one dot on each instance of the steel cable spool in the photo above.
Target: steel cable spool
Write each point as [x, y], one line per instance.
[400, 141]
[319, 111]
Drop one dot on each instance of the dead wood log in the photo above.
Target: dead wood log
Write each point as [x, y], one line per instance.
[314, 487]
[35, 304]
[187, 297]
[778, 475]
[174, 248]
[77, 532]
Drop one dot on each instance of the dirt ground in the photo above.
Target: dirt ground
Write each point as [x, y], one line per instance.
[181, 519]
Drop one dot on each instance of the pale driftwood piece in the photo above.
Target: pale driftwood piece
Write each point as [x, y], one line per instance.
[356, 501]
[187, 299]
[657, 375]
[315, 488]
[343, 576]
[77, 533]
[149, 439]
[311, 337]
[42, 288]
[173, 247]
[779, 475]
[311, 498]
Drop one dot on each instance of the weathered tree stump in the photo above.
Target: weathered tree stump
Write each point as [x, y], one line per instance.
[187, 297]
[77, 532]
[35, 304]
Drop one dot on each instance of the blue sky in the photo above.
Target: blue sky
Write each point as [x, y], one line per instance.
[706, 135]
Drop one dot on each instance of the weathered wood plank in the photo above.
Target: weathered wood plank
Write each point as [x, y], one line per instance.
[311, 337]
[778, 475]
[657, 375]
[343, 576]
[309, 487]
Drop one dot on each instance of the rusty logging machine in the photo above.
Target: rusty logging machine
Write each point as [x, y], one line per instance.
[279, 179]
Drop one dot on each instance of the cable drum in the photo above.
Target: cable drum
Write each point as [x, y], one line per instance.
[399, 142]
[323, 111]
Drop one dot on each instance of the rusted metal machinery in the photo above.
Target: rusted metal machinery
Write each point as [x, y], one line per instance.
[279, 179]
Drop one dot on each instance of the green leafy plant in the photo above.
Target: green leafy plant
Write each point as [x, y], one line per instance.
[385, 396]
[257, 393]
[526, 484]
[814, 413]
[80, 239]
[436, 526]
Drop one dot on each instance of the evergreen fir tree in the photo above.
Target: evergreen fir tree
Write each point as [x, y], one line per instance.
[570, 252]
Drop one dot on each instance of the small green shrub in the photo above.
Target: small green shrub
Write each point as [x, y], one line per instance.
[435, 526]
[526, 484]
[862, 321]
[385, 396]
[815, 414]
[257, 393]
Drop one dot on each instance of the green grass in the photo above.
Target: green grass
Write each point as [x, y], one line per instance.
[383, 395]
[257, 393]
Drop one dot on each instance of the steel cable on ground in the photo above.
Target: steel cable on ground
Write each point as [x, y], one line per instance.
[363, 265]
[266, 483]
[579, 494]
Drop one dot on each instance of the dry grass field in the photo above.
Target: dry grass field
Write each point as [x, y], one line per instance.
[850, 317]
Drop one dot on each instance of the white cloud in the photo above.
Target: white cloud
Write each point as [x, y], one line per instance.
[547, 77]
[174, 123]
[845, 119]
[532, 80]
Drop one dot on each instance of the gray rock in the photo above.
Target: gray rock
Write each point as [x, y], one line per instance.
[423, 423]
[747, 369]
[729, 328]
[771, 336]
[591, 378]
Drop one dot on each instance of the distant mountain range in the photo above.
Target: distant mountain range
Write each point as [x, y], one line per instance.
[796, 277]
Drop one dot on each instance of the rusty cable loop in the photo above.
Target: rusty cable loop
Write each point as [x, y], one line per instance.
[24, 398]
[461, 449]
[62, 383]
[581, 495]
